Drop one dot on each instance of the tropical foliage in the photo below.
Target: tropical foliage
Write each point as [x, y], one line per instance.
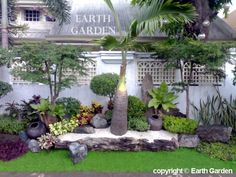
[71, 105]
[150, 18]
[162, 98]
[47, 63]
[177, 53]
[217, 110]
[5, 88]
[60, 9]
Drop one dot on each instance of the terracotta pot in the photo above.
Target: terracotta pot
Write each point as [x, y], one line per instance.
[36, 129]
[155, 123]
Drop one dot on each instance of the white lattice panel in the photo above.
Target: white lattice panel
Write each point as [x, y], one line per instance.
[91, 71]
[18, 80]
[157, 69]
[81, 80]
[200, 75]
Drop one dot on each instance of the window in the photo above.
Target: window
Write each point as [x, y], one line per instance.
[157, 69]
[32, 15]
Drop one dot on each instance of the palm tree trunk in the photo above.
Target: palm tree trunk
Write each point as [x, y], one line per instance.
[4, 72]
[4, 24]
[119, 123]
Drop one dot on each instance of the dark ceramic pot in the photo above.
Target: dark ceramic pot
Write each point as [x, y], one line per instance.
[36, 129]
[155, 123]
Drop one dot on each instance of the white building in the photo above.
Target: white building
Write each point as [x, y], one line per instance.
[91, 20]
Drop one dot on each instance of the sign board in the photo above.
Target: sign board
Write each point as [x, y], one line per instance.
[90, 24]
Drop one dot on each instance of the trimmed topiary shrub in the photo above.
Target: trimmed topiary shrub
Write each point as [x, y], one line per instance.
[10, 125]
[71, 105]
[105, 84]
[5, 88]
[140, 124]
[136, 108]
[180, 125]
[11, 147]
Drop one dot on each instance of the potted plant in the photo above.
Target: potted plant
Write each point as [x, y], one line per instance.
[162, 99]
[49, 113]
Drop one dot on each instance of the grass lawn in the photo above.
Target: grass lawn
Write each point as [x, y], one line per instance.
[58, 161]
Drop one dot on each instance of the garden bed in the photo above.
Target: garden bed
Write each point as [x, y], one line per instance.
[102, 139]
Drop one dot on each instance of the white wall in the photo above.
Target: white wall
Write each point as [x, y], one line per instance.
[110, 62]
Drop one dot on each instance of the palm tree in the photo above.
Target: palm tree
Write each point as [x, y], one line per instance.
[60, 9]
[150, 19]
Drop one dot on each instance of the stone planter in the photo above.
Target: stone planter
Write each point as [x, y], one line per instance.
[36, 129]
[155, 123]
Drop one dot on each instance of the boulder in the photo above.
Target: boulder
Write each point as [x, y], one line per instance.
[33, 145]
[189, 141]
[78, 152]
[85, 129]
[99, 121]
[214, 133]
[23, 136]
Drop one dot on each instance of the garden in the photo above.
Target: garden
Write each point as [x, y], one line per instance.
[127, 133]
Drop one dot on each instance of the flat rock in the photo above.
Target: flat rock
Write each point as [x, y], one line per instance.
[85, 129]
[189, 141]
[102, 139]
[99, 121]
[214, 133]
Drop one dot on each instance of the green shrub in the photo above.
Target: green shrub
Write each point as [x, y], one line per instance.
[65, 126]
[105, 84]
[136, 111]
[10, 125]
[108, 115]
[5, 88]
[71, 105]
[136, 108]
[180, 125]
[218, 150]
[139, 124]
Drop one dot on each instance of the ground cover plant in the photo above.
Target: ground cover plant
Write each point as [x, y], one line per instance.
[10, 125]
[11, 147]
[219, 150]
[58, 161]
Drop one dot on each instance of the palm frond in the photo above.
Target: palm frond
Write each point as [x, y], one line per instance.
[109, 42]
[153, 16]
[113, 11]
[60, 9]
